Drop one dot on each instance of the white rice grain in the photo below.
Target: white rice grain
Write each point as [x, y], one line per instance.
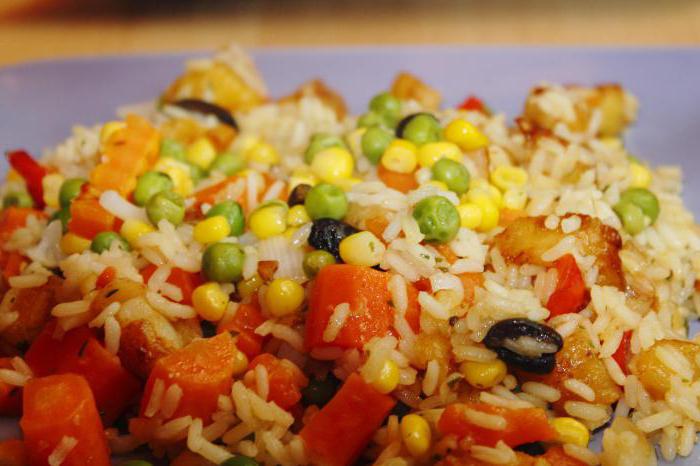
[579, 388]
[62, 450]
[336, 322]
[113, 332]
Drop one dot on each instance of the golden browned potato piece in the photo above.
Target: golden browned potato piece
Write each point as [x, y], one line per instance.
[653, 374]
[577, 360]
[408, 87]
[33, 307]
[609, 99]
[526, 239]
[317, 88]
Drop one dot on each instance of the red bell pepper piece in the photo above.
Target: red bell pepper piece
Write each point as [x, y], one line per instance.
[285, 379]
[105, 277]
[622, 354]
[186, 281]
[31, 171]
[242, 326]
[472, 103]
[10, 395]
[570, 294]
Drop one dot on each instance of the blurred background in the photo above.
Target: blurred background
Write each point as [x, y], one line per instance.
[35, 29]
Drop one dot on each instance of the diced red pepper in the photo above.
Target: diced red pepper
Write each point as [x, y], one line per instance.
[31, 171]
[14, 218]
[622, 354]
[285, 379]
[337, 434]
[472, 103]
[571, 294]
[105, 277]
[242, 326]
[186, 281]
[522, 425]
[11, 263]
[12, 453]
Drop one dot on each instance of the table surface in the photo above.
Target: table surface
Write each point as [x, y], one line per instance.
[38, 29]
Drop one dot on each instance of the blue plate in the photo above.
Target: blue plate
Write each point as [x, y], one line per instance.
[40, 102]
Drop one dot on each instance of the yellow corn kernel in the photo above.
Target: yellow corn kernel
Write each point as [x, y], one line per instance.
[347, 183]
[332, 164]
[73, 244]
[51, 185]
[302, 175]
[263, 153]
[362, 248]
[201, 153]
[210, 301]
[479, 188]
[240, 363]
[297, 216]
[569, 430]
[400, 156]
[132, 230]
[388, 377]
[212, 229]
[489, 214]
[416, 434]
[469, 215]
[640, 176]
[439, 185]
[484, 374]
[108, 129]
[431, 152]
[354, 140]
[283, 297]
[612, 142]
[178, 172]
[507, 177]
[514, 199]
[465, 135]
[268, 221]
[249, 286]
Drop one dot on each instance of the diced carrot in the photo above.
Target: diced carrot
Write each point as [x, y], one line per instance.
[622, 353]
[470, 281]
[285, 379]
[446, 251]
[556, 457]
[79, 352]
[13, 218]
[58, 407]
[11, 263]
[522, 425]
[243, 324]
[570, 295]
[128, 153]
[365, 289]
[12, 453]
[403, 182]
[186, 281]
[10, 395]
[423, 284]
[203, 370]
[267, 269]
[337, 434]
[209, 195]
[104, 278]
[413, 309]
[377, 225]
[88, 217]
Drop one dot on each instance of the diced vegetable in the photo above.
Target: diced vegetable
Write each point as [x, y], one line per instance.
[88, 218]
[470, 281]
[365, 290]
[186, 281]
[570, 295]
[14, 218]
[522, 425]
[403, 182]
[59, 408]
[31, 171]
[472, 103]
[353, 415]
[203, 370]
[11, 263]
[10, 395]
[104, 278]
[654, 374]
[242, 326]
[284, 377]
[622, 354]
[12, 453]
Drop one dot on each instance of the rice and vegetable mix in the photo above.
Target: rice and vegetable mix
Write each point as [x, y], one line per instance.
[225, 278]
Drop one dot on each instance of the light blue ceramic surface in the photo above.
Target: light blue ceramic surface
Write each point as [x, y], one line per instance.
[39, 102]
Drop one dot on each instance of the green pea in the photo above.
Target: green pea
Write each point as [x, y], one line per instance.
[645, 200]
[17, 199]
[437, 218]
[223, 262]
[64, 216]
[319, 142]
[103, 241]
[374, 142]
[326, 201]
[137, 463]
[632, 217]
[228, 163]
[166, 205]
[150, 184]
[233, 212]
[70, 190]
[320, 391]
[370, 119]
[453, 174]
[314, 261]
[170, 148]
[420, 128]
[386, 105]
[197, 173]
[240, 460]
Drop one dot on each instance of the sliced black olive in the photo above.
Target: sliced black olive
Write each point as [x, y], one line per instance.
[298, 194]
[208, 329]
[207, 108]
[525, 344]
[327, 233]
[401, 409]
[532, 449]
[320, 390]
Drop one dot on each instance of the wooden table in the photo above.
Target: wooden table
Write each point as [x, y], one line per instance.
[34, 29]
